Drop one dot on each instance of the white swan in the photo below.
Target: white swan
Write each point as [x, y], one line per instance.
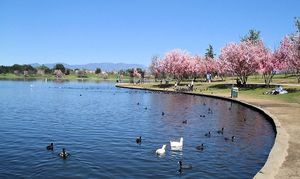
[175, 145]
[162, 150]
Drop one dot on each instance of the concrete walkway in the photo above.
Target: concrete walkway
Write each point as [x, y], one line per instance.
[284, 158]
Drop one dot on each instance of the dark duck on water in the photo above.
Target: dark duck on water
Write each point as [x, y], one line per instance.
[50, 147]
[139, 140]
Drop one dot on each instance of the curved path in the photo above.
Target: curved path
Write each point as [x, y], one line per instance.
[284, 158]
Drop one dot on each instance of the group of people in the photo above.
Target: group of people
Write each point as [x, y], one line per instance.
[190, 86]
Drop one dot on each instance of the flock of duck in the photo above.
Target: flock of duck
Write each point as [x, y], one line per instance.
[174, 145]
[178, 145]
[63, 154]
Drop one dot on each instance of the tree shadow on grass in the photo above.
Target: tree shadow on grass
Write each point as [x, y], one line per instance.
[246, 87]
[249, 87]
[163, 85]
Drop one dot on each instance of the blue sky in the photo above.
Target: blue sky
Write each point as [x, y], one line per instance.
[132, 31]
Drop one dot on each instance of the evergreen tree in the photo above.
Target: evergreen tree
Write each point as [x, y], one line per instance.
[60, 67]
[253, 36]
[210, 52]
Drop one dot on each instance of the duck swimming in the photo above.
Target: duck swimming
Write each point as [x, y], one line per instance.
[162, 150]
[177, 146]
[162, 113]
[186, 167]
[221, 131]
[184, 122]
[200, 147]
[207, 134]
[50, 147]
[138, 140]
[64, 154]
[232, 138]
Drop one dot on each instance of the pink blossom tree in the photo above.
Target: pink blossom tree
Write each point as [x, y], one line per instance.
[268, 63]
[155, 67]
[289, 51]
[241, 59]
[196, 67]
[294, 62]
[221, 68]
[210, 65]
[176, 64]
[136, 73]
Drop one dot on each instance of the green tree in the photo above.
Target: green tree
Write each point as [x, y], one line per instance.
[130, 73]
[45, 68]
[60, 67]
[68, 71]
[297, 24]
[5, 69]
[210, 52]
[17, 67]
[253, 36]
[30, 69]
[98, 70]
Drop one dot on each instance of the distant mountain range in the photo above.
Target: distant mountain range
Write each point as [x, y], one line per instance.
[93, 66]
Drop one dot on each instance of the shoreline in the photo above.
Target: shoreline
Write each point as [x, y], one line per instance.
[275, 166]
[54, 79]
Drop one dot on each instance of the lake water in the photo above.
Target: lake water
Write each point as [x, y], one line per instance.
[98, 123]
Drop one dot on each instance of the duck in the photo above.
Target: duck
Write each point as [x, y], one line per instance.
[145, 108]
[137, 103]
[177, 146]
[162, 150]
[64, 154]
[186, 167]
[184, 122]
[162, 113]
[232, 138]
[200, 147]
[50, 147]
[221, 131]
[207, 134]
[138, 140]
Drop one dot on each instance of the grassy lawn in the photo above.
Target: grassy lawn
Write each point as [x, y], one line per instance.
[223, 88]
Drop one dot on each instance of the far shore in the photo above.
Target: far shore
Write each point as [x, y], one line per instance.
[283, 160]
[53, 78]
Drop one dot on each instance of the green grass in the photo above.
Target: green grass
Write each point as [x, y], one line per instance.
[224, 89]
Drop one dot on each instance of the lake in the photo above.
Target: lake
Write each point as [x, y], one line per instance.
[98, 124]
